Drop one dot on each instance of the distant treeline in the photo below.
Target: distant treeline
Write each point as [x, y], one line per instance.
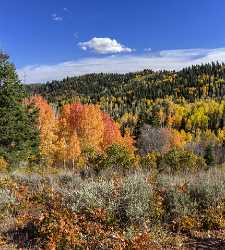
[191, 83]
[135, 93]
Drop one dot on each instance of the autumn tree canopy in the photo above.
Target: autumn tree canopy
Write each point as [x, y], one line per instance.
[76, 128]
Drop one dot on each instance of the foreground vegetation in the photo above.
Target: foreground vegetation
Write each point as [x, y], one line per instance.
[58, 209]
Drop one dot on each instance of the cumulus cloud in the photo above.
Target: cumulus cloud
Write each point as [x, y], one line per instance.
[104, 45]
[56, 18]
[167, 59]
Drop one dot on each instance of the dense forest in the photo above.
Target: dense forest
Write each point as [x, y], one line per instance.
[190, 101]
[200, 81]
[110, 161]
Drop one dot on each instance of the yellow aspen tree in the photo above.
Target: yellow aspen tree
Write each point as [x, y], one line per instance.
[61, 151]
[87, 121]
[73, 149]
[47, 125]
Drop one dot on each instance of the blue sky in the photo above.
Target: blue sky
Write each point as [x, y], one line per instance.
[52, 39]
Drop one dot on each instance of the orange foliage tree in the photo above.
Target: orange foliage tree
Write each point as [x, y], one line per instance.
[77, 128]
[47, 125]
[111, 133]
[68, 144]
[93, 127]
[86, 122]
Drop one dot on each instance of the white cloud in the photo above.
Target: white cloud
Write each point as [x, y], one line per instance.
[185, 53]
[147, 49]
[65, 9]
[56, 18]
[167, 59]
[104, 45]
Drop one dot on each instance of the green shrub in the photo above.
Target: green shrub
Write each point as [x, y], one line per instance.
[179, 203]
[88, 195]
[128, 202]
[150, 161]
[7, 199]
[135, 202]
[116, 156]
[181, 161]
[194, 201]
[207, 193]
[181, 211]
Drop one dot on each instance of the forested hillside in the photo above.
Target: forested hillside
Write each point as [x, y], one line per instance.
[135, 93]
[199, 81]
[190, 101]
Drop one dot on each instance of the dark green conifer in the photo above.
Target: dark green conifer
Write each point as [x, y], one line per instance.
[209, 155]
[18, 131]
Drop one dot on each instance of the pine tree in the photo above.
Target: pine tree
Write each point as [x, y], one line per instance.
[18, 133]
[209, 157]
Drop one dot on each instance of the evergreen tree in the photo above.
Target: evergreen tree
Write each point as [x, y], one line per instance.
[209, 156]
[18, 132]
